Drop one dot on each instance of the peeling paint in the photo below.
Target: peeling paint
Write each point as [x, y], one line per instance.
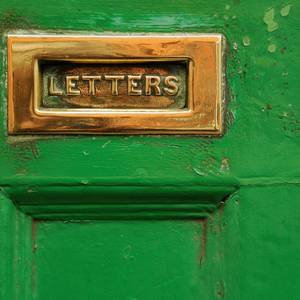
[246, 41]
[285, 10]
[225, 165]
[269, 20]
[272, 48]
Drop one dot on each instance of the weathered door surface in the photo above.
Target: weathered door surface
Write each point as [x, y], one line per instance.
[171, 216]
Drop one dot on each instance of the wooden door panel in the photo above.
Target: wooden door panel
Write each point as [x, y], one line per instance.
[160, 217]
[117, 259]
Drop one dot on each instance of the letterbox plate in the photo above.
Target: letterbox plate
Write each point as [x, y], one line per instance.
[115, 84]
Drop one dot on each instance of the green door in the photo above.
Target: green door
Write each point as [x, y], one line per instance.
[163, 216]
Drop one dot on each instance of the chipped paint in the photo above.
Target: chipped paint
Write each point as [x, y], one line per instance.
[220, 289]
[285, 10]
[225, 165]
[250, 238]
[246, 41]
[269, 20]
[272, 48]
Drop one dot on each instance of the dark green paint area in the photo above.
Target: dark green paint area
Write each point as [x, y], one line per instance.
[117, 260]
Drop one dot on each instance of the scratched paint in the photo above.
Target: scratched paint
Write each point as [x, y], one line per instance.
[246, 41]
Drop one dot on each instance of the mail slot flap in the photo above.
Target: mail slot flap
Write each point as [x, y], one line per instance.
[115, 84]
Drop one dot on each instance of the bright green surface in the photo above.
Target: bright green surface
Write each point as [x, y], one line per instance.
[244, 250]
[252, 245]
[262, 140]
[126, 260]
[261, 257]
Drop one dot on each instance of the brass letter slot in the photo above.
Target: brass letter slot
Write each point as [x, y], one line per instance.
[122, 84]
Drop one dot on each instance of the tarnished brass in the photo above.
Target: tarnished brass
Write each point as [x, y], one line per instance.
[115, 84]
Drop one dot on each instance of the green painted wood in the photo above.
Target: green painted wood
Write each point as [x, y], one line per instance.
[263, 106]
[247, 248]
[15, 251]
[145, 260]
[260, 231]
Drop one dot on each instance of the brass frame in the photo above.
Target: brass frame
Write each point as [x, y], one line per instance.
[205, 87]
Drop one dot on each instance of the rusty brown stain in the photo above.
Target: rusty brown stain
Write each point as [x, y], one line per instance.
[203, 240]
